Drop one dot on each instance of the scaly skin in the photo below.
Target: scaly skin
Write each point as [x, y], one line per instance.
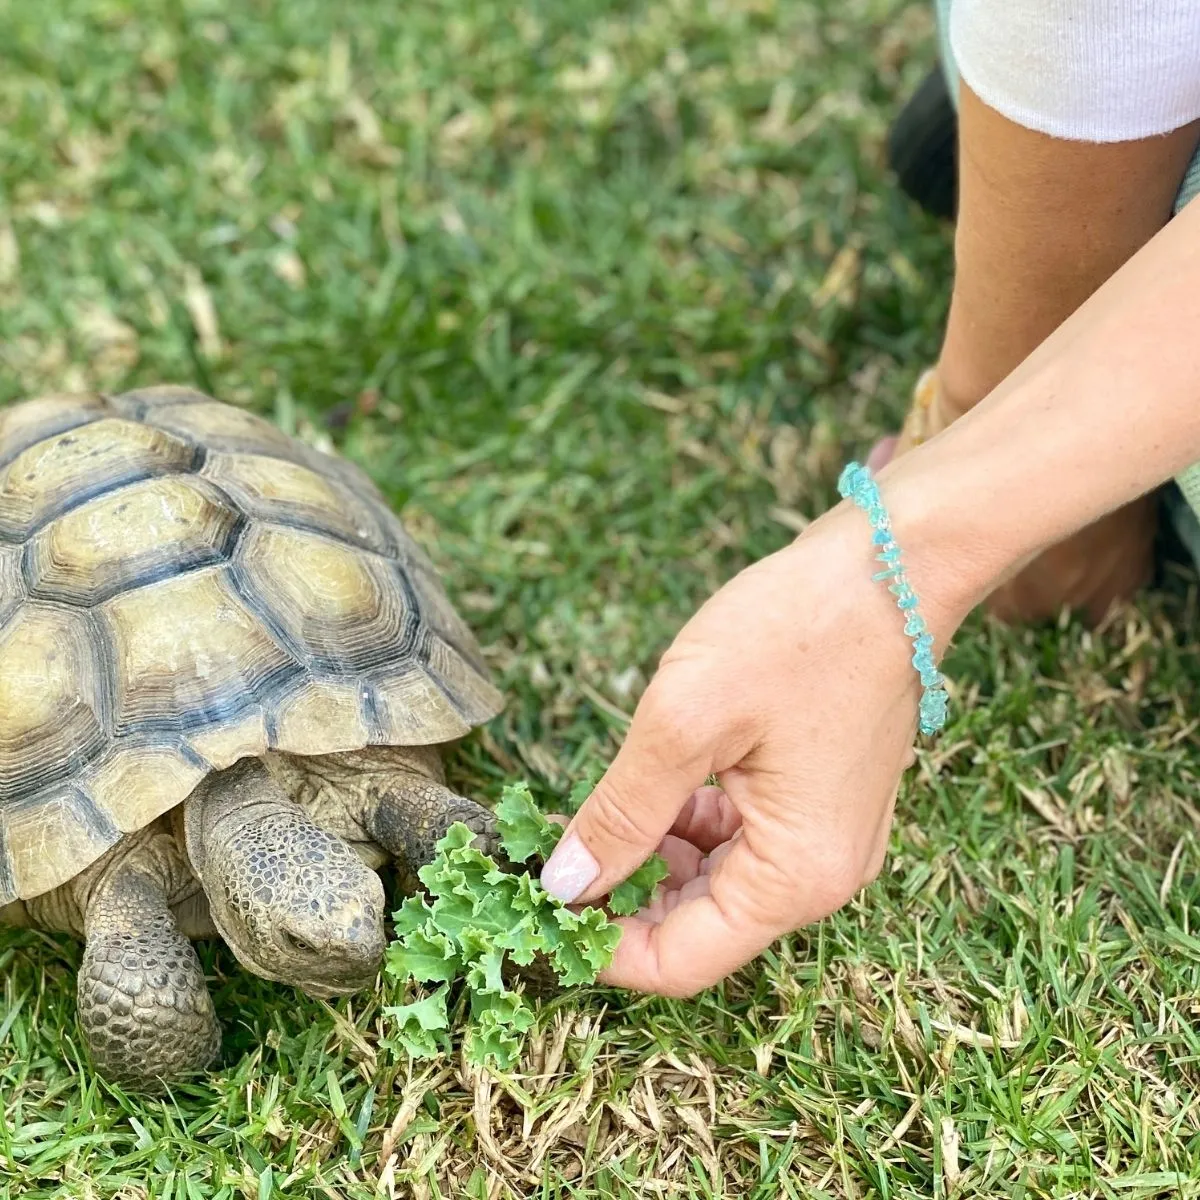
[390, 802]
[143, 1004]
[408, 815]
[144, 1007]
[281, 848]
[294, 902]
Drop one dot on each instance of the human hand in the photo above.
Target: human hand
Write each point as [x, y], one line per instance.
[793, 686]
[793, 683]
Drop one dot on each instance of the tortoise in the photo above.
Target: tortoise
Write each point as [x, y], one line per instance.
[227, 673]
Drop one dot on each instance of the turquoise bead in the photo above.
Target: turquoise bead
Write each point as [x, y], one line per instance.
[851, 479]
[857, 485]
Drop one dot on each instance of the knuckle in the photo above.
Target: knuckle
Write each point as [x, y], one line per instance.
[787, 879]
[678, 694]
[663, 706]
[838, 881]
[679, 743]
[763, 906]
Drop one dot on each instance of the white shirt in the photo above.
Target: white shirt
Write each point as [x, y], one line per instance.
[1085, 70]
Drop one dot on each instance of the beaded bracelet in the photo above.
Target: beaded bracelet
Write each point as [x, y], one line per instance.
[857, 484]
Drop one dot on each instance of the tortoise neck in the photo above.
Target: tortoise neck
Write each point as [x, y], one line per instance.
[223, 803]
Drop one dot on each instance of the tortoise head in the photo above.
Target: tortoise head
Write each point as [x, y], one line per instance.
[294, 903]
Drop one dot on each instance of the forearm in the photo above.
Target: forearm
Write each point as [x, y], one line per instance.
[1104, 410]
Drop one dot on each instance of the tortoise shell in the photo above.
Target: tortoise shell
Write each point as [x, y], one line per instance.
[183, 585]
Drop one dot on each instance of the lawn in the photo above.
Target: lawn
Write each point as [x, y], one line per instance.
[603, 294]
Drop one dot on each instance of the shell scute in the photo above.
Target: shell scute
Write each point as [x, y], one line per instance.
[183, 585]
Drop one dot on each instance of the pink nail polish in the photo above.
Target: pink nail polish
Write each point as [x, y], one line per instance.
[570, 870]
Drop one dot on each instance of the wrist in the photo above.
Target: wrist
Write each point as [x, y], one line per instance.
[1003, 483]
[950, 566]
[931, 593]
[1101, 413]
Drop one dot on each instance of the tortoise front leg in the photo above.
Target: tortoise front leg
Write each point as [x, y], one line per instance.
[409, 813]
[144, 1007]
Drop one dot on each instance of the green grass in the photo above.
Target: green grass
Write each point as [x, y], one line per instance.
[603, 294]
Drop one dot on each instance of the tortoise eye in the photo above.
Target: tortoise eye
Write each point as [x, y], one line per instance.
[297, 944]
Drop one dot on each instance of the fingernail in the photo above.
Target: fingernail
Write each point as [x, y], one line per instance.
[570, 870]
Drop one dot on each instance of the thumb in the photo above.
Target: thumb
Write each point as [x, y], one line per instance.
[661, 763]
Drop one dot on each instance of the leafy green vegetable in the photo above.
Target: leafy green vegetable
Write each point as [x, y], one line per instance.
[524, 829]
[489, 1040]
[581, 944]
[412, 914]
[426, 954]
[478, 917]
[501, 1008]
[499, 1019]
[636, 892]
[522, 941]
[420, 1027]
[484, 962]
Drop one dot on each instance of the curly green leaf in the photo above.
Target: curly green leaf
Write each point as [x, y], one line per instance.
[427, 955]
[420, 1028]
[636, 892]
[524, 829]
